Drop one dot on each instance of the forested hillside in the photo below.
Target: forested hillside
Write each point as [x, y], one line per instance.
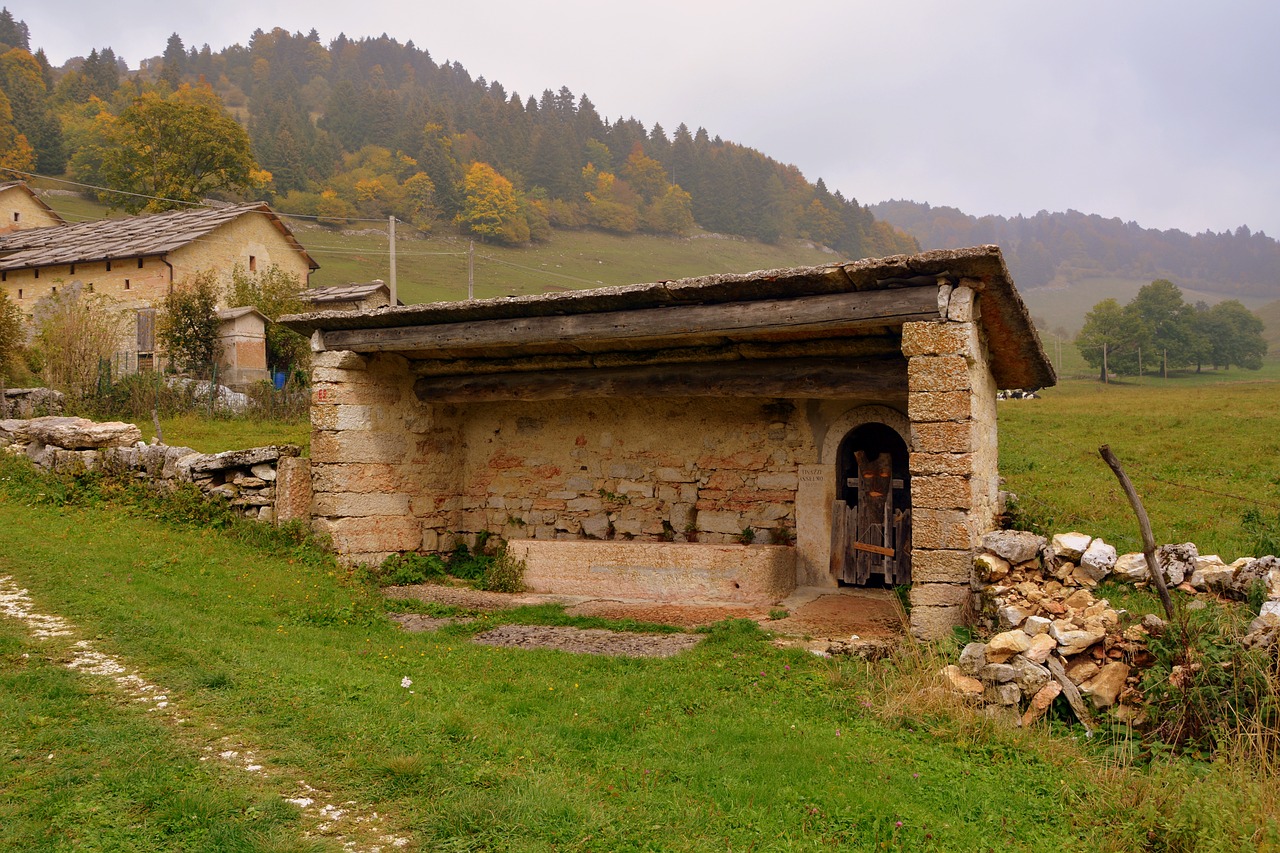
[370, 128]
[1073, 245]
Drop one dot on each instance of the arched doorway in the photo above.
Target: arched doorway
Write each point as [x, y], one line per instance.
[871, 519]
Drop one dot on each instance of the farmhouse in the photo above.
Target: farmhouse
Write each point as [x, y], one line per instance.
[724, 438]
[137, 260]
[21, 208]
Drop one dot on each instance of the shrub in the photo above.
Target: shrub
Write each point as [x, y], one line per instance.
[504, 574]
[188, 325]
[407, 569]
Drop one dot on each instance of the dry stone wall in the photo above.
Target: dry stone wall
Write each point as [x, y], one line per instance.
[1050, 635]
[249, 480]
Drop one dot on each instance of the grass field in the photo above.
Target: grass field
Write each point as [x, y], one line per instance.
[736, 745]
[1202, 450]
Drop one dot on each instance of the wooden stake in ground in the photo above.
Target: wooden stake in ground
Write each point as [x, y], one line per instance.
[1144, 524]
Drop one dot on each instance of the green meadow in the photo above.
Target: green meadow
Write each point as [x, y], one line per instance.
[735, 745]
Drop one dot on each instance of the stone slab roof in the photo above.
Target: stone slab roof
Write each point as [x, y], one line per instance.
[1018, 360]
[343, 292]
[129, 237]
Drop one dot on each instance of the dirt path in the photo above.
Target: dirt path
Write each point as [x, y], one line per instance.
[357, 827]
[824, 621]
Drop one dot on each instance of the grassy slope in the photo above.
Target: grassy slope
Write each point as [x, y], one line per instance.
[434, 268]
[1188, 443]
[1066, 304]
[735, 745]
[1270, 314]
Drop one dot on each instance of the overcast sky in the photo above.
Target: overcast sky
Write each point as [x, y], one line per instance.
[1157, 111]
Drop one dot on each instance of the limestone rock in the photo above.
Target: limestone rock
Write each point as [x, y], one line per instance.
[1177, 561]
[1002, 694]
[1016, 546]
[1011, 616]
[81, 434]
[973, 658]
[990, 567]
[1264, 570]
[1075, 642]
[1079, 600]
[1081, 670]
[1212, 574]
[1105, 687]
[1070, 546]
[1042, 645]
[1131, 567]
[959, 682]
[1098, 560]
[1003, 646]
[1036, 625]
[1029, 675]
[243, 458]
[263, 471]
[998, 673]
[1041, 702]
[1153, 624]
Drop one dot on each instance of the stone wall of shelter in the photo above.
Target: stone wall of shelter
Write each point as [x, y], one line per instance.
[391, 473]
[954, 454]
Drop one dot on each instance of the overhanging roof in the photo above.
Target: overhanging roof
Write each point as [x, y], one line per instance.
[848, 299]
[129, 237]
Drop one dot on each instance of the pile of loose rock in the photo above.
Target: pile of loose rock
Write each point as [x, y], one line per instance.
[1051, 636]
[245, 478]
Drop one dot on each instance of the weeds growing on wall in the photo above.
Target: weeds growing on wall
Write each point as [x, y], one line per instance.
[498, 571]
[1205, 691]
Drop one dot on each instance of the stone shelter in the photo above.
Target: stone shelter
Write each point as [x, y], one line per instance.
[725, 438]
[137, 260]
[242, 357]
[21, 208]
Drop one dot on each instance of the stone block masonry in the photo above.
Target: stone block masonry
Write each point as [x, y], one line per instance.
[268, 484]
[714, 471]
[954, 484]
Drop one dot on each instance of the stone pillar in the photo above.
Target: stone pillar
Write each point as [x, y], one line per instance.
[293, 489]
[951, 406]
[815, 493]
[358, 448]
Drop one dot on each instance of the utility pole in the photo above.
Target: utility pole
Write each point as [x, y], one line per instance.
[471, 270]
[391, 230]
[1139, 362]
[1105, 379]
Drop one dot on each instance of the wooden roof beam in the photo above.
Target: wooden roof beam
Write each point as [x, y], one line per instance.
[799, 378]
[838, 312]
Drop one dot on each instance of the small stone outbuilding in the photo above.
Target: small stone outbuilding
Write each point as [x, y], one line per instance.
[724, 438]
[242, 350]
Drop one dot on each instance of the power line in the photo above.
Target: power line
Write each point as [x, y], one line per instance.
[543, 272]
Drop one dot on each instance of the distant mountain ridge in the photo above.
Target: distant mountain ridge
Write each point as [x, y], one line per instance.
[1063, 247]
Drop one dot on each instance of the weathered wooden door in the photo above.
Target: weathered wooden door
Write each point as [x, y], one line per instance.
[871, 518]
